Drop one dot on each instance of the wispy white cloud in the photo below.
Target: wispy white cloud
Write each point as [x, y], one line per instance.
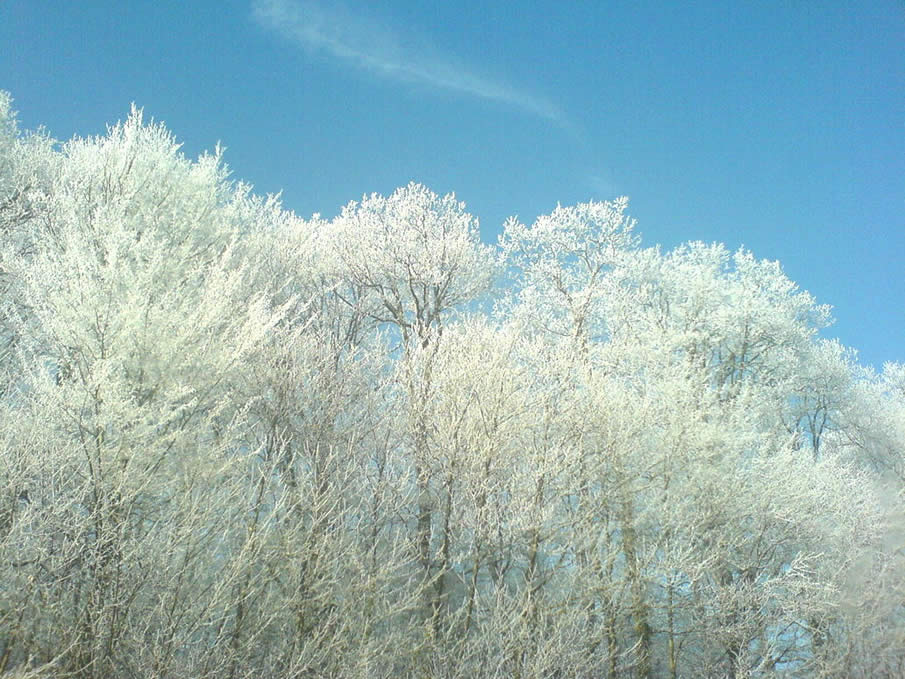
[375, 47]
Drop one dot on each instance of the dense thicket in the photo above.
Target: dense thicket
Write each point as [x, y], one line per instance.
[237, 443]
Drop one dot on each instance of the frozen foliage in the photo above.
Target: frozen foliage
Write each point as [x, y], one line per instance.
[239, 443]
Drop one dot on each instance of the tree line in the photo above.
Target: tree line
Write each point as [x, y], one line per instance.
[239, 443]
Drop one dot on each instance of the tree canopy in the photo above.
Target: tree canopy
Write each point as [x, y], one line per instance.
[239, 443]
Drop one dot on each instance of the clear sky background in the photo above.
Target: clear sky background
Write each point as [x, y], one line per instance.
[779, 126]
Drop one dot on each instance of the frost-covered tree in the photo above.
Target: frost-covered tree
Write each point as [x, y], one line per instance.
[418, 257]
[559, 263]
[133, 317]
[26, 164]
[731, 345]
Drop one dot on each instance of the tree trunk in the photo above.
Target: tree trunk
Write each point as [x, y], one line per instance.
[639, 605]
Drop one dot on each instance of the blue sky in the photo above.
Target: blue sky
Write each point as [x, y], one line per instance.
[775, 125]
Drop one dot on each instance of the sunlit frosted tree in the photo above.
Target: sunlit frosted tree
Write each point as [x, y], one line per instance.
[419, 258]
[133, 316]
